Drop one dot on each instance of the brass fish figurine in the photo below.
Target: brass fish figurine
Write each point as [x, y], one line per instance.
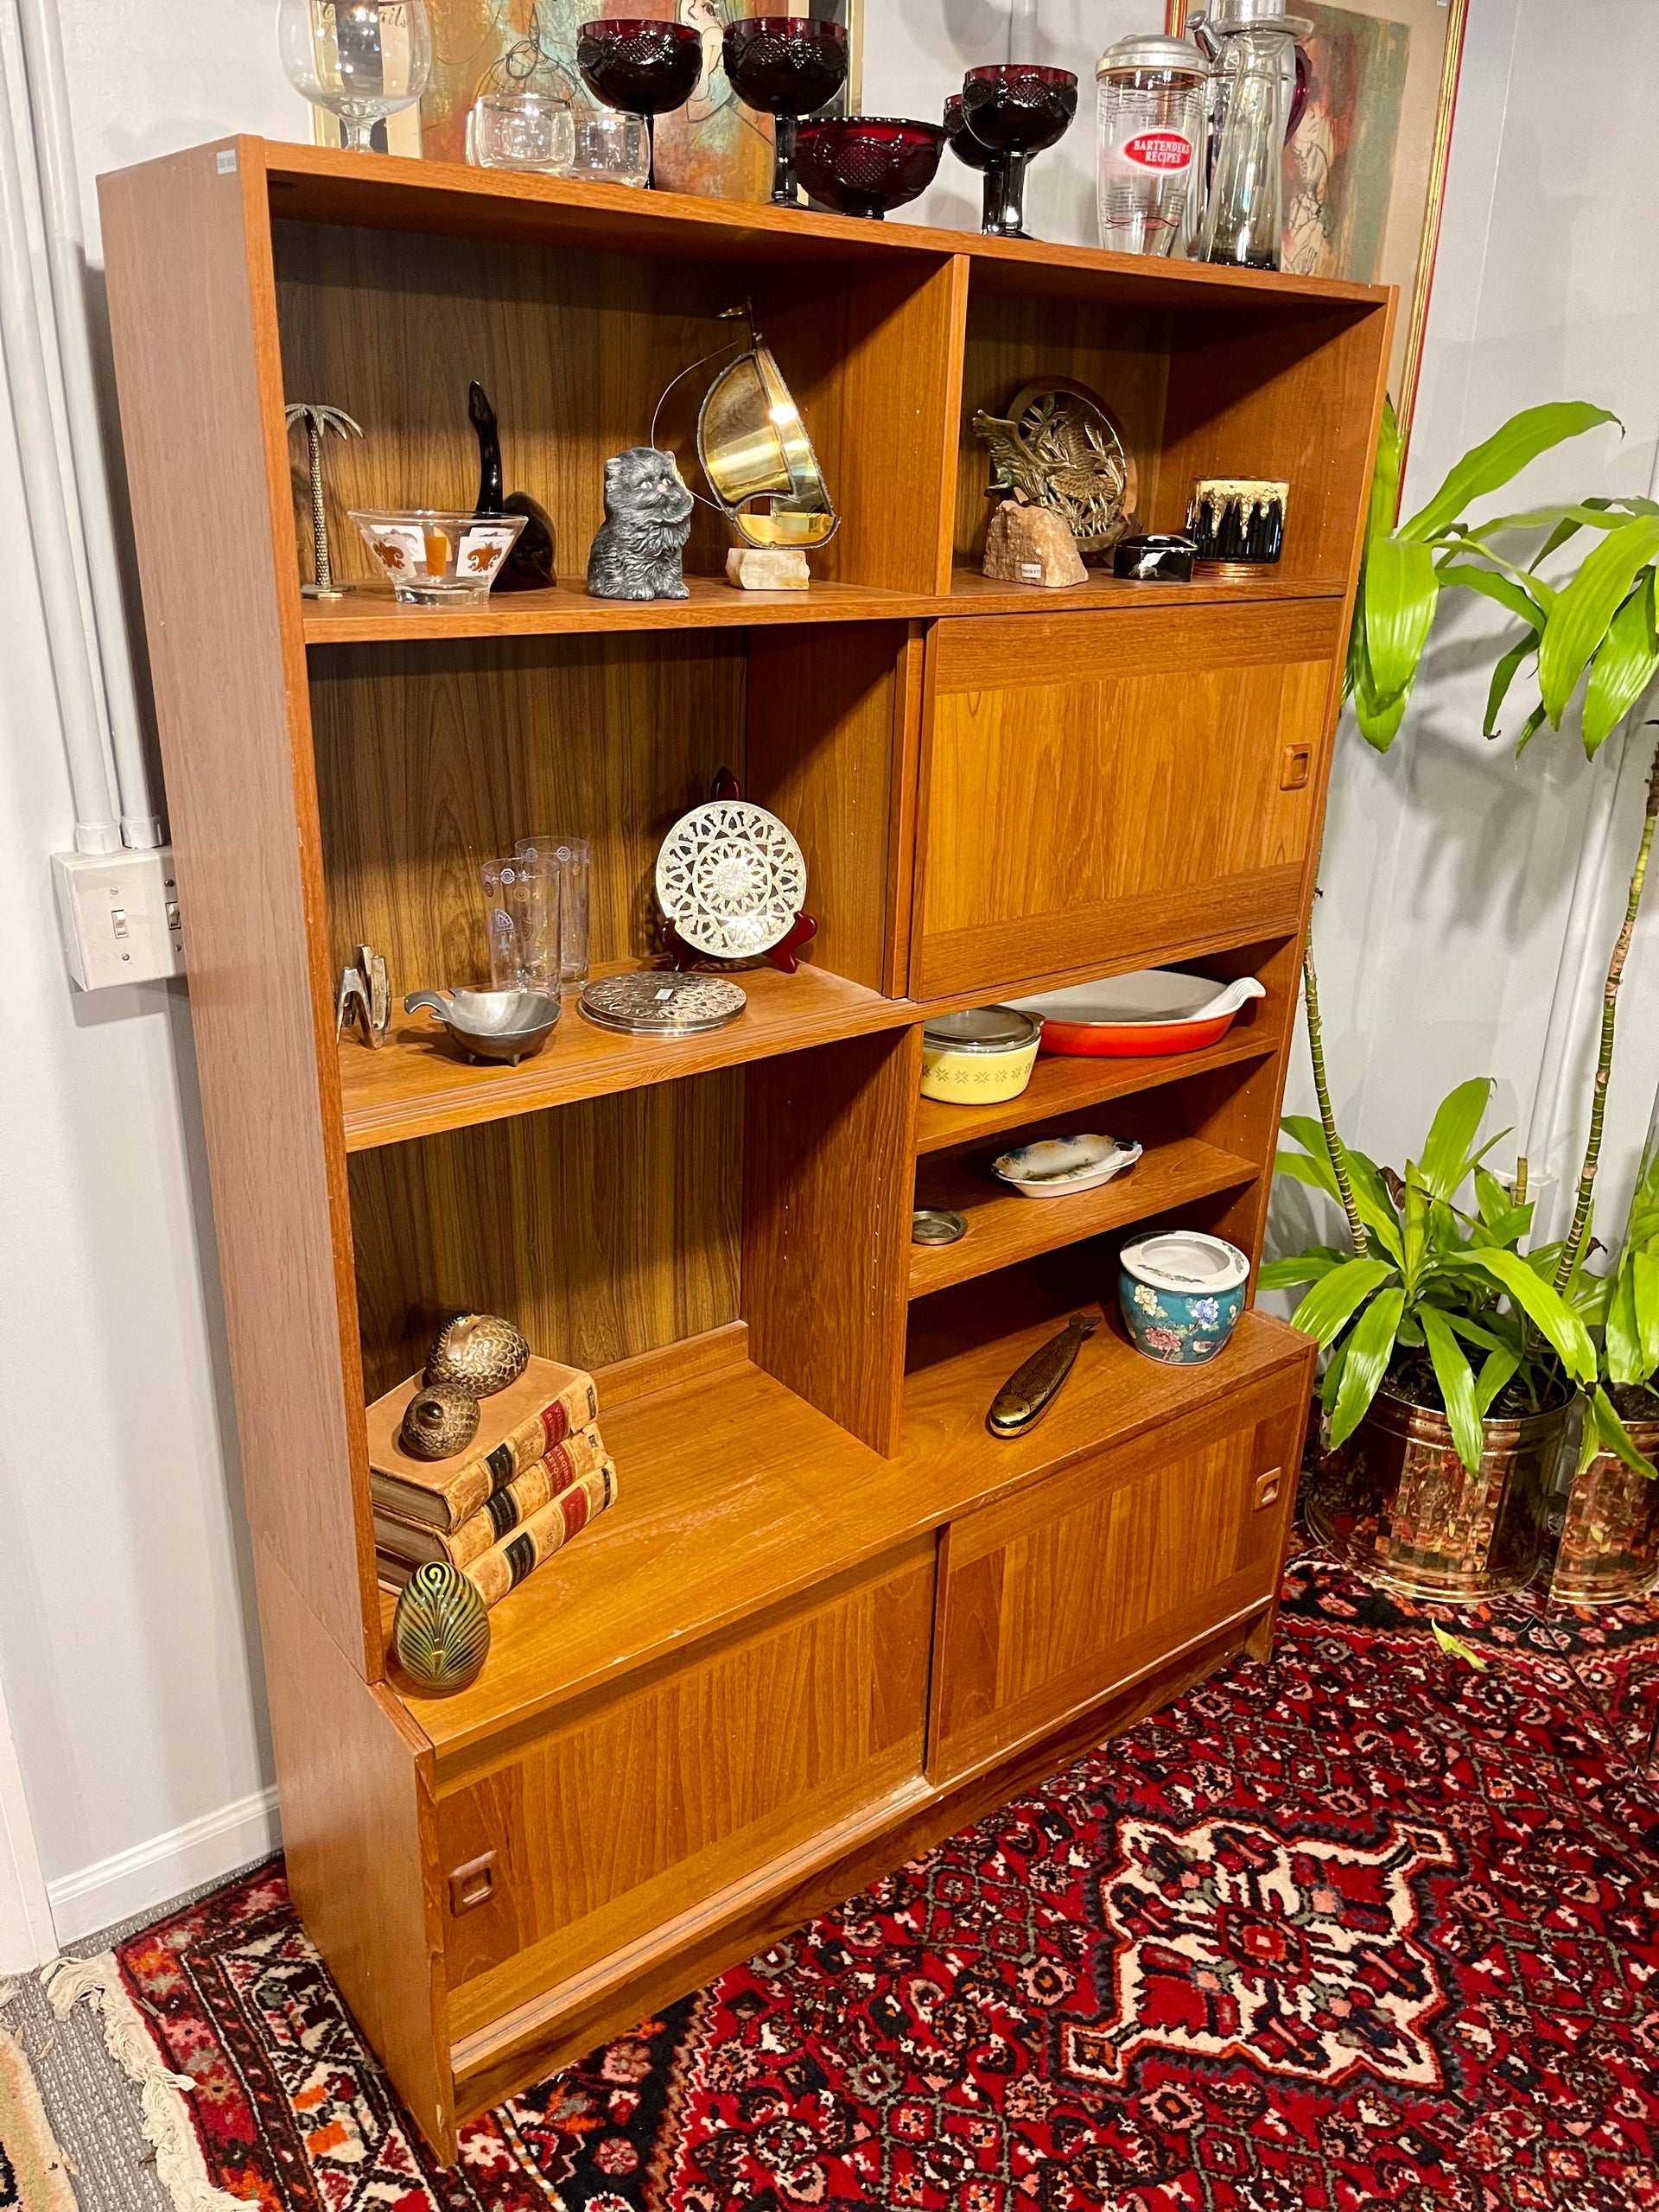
[1035, 1385]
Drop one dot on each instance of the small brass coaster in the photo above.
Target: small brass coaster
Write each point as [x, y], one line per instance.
[940, 1227]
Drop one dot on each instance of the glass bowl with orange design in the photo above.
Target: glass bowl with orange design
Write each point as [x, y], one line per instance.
[434, 558]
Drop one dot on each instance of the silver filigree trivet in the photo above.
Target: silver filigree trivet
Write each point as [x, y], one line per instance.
[731, 878]
[652, 1002]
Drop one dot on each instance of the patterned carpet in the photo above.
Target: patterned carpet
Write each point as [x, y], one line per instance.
[33, 2174]
[1364, 1927]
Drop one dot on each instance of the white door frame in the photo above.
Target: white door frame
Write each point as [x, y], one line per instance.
[27, 1937]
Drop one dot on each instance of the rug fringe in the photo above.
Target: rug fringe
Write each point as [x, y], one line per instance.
[168, 2126]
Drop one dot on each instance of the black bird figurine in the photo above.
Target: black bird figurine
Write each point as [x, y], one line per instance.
[529, 565]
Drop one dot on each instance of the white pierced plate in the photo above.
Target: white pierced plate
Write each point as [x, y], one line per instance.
[731, 878]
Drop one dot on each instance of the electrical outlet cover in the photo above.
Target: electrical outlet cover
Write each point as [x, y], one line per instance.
[119, 912]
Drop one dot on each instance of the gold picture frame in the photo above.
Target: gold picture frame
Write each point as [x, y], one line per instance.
[713, 146]
[1366, 173]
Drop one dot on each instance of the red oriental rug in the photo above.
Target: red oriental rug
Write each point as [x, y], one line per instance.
[1364, 1926]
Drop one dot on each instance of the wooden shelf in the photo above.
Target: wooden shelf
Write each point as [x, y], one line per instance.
[445, 199]
[1004, 1228]
[1060, 1085]
[413, 1086]
[734, 1495]
[371, 616]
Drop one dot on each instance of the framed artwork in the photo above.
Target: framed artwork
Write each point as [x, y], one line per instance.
[714, 145]
[1365, 171]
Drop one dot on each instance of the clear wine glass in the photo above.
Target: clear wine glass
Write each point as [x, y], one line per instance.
[360, 60]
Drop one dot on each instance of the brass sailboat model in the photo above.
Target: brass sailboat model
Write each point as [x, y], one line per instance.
[758, 459]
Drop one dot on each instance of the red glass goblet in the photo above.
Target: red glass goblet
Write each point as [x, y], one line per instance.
[787, 67]
[1017, 109]
[864, 164]
[967, 148]
[640, 64]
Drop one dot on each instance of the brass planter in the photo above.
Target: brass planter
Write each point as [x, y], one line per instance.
[1396, 1503]
[1609, 1552]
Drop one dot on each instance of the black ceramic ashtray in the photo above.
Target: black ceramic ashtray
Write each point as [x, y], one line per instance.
[1154, 560]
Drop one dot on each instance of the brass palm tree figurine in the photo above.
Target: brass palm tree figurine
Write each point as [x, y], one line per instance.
[316, 421]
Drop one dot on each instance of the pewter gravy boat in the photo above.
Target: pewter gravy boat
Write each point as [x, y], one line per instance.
[491, 1024]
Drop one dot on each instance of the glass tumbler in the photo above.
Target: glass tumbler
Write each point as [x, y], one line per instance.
[521, 911]
[611, 149]
[1151, 101]
[522, 130]
[573, 857]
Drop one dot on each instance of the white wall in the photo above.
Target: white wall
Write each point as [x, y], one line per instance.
[127, 1639]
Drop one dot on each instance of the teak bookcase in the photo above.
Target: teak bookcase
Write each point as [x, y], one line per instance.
[829, 1618]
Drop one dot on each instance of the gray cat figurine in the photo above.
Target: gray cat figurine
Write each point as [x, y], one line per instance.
[647, 520]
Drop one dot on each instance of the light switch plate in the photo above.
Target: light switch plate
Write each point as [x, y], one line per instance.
[119, 912]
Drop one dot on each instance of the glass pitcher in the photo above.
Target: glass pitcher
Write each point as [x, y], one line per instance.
[1244, 220]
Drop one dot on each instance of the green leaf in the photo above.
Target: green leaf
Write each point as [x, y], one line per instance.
[1543, 1305]
[1643, 1224]
[1328, 1307]
[1529, 729]
[1316, 1174]
[1615, 1437]
[1307, 1267]
[1331, 1381]
[1622, 667]
[1503, 455]
[1370, 1347]
[1580, 617]
[1385, 476]
[1455, 1647]
[1447, 1155]
[1623, 1343]
[1497, 1369]
[1376, 1208]
[1587, 514]
[1503, 676]
[1457, 1382]
[1379, 720]
[1401, 592]
[1531, 605]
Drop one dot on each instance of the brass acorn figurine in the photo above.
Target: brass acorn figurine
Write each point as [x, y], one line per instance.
[438, 1422]
[441, 1632]
[480, 1352]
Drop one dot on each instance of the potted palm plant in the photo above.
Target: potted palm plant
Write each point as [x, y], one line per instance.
[1436, 1474]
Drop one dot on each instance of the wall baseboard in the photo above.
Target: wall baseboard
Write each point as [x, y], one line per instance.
[152, 1874]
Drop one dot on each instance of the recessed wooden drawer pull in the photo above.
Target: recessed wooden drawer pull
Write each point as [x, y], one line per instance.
[472, 1884]
[1296, 767]
[1267, 1487]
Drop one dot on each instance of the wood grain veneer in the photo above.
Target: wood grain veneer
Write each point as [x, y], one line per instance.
[425, 772]
[1052, 1596]
[1103, 794]
[1003, 1228]
[189, 251]
[414, 1085]
[619, 1819]
[606, 1228]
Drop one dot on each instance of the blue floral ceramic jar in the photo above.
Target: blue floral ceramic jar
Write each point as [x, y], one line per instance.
[1182, 1294]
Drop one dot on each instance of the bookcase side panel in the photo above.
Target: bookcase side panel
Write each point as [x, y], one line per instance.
[829, 1145]
[192, 311]
[874, 359]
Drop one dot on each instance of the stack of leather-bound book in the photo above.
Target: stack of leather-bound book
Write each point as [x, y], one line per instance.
[534, 1475]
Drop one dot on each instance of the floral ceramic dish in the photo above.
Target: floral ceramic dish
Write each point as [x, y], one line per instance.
[1055, 1167]
[1181, 1294]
